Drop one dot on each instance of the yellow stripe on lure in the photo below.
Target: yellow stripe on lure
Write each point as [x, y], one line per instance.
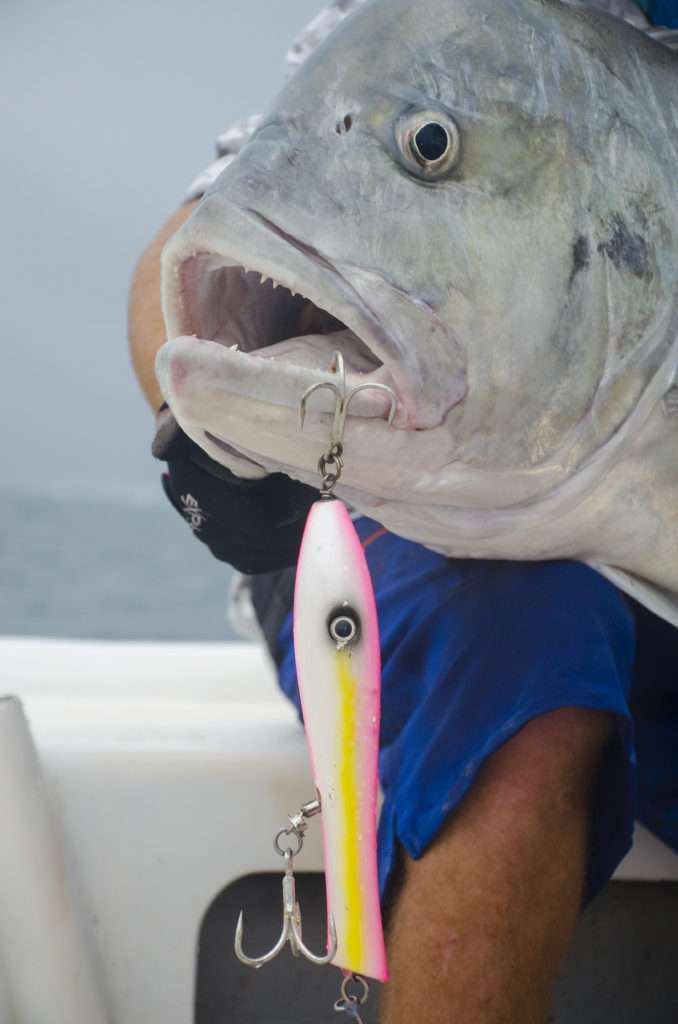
[336, 643]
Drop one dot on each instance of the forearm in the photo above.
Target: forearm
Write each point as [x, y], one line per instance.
[146, 327]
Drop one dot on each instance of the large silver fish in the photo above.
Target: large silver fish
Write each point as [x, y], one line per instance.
[477, 203]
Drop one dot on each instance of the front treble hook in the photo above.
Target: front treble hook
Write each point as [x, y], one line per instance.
[343, 399]
[291, 930]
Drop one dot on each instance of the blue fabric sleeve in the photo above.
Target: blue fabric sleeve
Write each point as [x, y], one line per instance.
[661, 12]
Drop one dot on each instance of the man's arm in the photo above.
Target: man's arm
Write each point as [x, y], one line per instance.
[145, 324]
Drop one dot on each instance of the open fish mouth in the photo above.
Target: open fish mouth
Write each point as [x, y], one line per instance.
[257, 314]
[285, 302]
[254, 315]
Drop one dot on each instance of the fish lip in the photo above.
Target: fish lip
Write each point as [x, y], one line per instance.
[331, 291]
[235, 377]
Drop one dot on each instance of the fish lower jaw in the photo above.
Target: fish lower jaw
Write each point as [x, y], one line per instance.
[189, 369]
[243, 465]
[244, 410]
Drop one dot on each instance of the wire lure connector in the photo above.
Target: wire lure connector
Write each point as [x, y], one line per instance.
[291, 930]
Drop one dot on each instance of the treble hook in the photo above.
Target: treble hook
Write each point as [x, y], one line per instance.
[343, 399]
[291, 930]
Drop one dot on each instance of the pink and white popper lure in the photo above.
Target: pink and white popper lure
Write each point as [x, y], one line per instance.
[337, 652]
[338, 661]
[336, 644]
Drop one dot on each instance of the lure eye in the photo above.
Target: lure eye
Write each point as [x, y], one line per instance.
[430, 144]
[343, 625]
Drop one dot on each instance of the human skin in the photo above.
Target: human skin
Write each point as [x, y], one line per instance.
[146, 326]
[480, 923]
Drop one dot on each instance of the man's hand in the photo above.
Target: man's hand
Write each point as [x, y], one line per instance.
[254, 525]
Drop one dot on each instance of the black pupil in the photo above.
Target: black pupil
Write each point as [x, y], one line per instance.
[432, 141]
[343, 628]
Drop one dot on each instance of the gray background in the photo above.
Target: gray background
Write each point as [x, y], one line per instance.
[107, 112]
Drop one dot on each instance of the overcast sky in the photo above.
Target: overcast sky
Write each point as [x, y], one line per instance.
[107, 111]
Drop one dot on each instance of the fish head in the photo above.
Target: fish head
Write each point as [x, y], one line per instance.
[469, 201]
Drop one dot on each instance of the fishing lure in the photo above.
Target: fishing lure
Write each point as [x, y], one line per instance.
[336, 644]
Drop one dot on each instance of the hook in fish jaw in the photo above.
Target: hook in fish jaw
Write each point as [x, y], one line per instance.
[339, 390]
[343, 399]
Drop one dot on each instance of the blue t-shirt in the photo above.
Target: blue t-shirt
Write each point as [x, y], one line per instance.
[661, 12]
[472, 650]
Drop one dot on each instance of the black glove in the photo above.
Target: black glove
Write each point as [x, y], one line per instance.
[254, 525]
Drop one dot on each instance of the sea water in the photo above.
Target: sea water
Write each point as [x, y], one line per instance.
[110, 563]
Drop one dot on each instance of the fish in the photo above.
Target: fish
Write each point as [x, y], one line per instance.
[337, 654]
[477, 204]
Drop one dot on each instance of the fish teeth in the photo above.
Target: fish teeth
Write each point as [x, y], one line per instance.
[264, 278]
[234, 348]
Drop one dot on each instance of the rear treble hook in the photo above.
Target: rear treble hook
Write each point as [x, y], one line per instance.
[291, 930]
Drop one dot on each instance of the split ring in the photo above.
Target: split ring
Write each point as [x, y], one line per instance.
[353, 997]
[286, 851]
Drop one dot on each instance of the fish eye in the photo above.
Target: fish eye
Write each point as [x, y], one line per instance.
[430, 143]
[343, 625]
